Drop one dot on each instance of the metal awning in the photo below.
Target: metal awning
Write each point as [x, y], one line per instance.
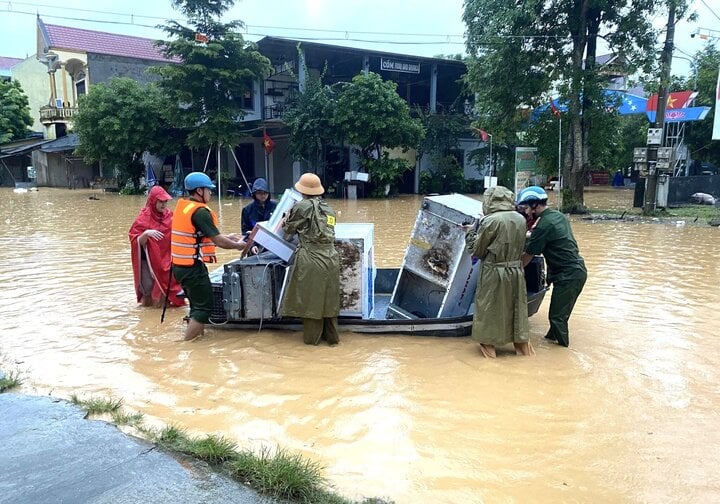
[66, 143]
[12, 149]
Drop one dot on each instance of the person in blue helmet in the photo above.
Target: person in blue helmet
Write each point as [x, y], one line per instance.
[261, 207]
[194, 238]
[552, 236]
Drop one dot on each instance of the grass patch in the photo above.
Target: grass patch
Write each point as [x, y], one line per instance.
[10, 380]
[120, 417]
[97, 405]
[212, 449]
[282, 475]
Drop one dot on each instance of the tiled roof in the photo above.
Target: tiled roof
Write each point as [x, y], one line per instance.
[89, 41]
[6, 63]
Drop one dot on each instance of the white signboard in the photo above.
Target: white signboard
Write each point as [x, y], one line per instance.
[395, 65]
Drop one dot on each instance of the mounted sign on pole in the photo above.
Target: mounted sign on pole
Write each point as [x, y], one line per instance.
[525, 167]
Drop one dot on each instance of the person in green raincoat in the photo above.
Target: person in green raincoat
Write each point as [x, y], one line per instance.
[500, 314]
[313, 291]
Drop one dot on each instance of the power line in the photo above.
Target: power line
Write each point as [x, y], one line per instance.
[708, 8]
[247, 26]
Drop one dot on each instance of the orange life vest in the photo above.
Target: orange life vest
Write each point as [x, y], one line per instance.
[188, 243]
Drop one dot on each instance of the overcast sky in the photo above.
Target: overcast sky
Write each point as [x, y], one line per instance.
[418, 27]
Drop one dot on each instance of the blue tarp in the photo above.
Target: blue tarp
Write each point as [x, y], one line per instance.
[633, 104]
[628, 104]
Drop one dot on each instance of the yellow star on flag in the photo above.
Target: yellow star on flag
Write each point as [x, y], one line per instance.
[670, 102]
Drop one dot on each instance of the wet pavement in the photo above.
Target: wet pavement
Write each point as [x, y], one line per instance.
[52, 454]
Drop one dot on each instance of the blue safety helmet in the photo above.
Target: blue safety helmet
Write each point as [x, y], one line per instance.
[532, 194]
[196, 180]
[260, 185]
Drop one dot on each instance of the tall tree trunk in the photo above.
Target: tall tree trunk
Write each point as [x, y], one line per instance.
[573, 192]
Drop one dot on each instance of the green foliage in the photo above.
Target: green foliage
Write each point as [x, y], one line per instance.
[310, 117]
[519, 52]
[444, 175]
[120, 417]
[208, 86]
[281, 474]
[370, 114]
[10, 380]
[119, 120]
[442, 131]
[97, 405]
[14, 112]
[212, 449]
[385, 172]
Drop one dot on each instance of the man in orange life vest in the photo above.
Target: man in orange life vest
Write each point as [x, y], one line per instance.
[194, 237]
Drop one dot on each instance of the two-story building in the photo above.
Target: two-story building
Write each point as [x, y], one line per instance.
[70, 60]
[429, 83]
[67, 62]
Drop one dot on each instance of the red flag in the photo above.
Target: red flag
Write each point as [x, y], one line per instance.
[555, 110]
[202, 38]
[268, 143]
[483, 134]
[676, 100]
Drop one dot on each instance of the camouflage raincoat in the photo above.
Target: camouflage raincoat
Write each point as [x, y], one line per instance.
[313, 289]
[500, 315]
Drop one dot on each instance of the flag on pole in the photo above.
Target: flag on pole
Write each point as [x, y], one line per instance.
[555, 110]
[268, 143]
[483, 134]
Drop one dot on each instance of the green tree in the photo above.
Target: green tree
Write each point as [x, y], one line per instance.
[212, 78]
[370, 114]
[15, 119]
[520, 50]
[119, 120]
[698, 134]
[442, 133]
[309, 117]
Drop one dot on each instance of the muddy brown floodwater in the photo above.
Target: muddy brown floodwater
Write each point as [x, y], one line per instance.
[627, 414]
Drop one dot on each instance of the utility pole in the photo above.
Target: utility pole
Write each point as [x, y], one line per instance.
[652, 150]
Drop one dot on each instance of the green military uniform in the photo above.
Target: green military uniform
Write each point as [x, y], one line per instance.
[313, 291]
[553, 238]
[194, 279]
[500, 315]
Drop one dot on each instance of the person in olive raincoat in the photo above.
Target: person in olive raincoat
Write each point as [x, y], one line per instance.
[313, 291]
[500, 314]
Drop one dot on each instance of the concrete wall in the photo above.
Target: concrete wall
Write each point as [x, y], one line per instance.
[55, 170]
[681, 188]
[33, 77]
[102, 68]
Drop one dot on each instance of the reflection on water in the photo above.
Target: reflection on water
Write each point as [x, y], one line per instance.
[626, 414]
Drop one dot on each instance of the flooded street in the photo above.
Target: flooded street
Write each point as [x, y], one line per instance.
[627, 414]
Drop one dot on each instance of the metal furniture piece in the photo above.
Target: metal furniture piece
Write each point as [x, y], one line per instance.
[437, 277]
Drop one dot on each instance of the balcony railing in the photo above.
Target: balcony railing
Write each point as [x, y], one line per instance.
[50, 114]
[276, 111]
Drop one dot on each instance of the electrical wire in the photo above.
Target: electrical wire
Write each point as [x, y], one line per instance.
[710, 9]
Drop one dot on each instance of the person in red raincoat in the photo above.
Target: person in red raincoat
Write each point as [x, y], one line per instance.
[150, 251]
